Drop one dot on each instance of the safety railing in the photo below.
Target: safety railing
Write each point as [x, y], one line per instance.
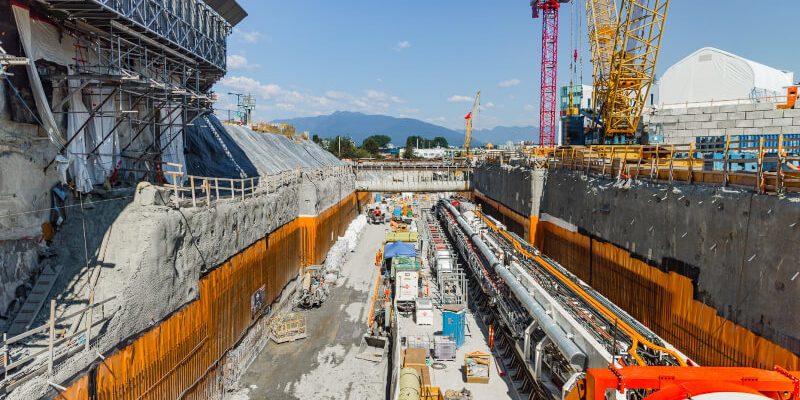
[202, 189]
[28, 354]
[766, 165]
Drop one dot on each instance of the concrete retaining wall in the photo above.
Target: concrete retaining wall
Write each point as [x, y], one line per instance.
[683, 125]
[518, 188]
[738, 247]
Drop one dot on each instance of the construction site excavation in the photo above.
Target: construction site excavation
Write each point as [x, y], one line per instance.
[638, 239]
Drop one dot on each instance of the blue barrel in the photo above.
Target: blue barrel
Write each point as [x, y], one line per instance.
[377, 197]
[398, 211]
[453, 325]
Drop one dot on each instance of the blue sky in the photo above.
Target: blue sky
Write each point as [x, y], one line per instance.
[425, 59]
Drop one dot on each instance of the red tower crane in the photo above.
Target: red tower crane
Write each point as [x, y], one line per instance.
[549, 92]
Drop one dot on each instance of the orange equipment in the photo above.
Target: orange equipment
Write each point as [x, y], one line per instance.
[791, 98]
[679, 383]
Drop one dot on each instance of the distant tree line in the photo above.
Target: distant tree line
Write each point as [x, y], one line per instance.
[344, 147]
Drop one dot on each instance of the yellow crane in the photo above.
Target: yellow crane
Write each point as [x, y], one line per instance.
[602, 23]
[469, 120]
[624, 71]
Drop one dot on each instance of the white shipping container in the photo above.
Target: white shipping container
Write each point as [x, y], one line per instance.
[406, 285]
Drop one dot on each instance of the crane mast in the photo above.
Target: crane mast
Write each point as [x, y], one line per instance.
[470, 118]
[548, 111]
[633, 64]
[602, 20]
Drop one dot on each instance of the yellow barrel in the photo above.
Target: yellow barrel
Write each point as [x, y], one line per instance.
[410, 384]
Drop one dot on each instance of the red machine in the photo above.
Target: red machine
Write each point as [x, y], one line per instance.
[549, 91]
[698, 383]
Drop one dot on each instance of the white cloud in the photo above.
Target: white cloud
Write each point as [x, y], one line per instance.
[251, 37]
[235, 61]
[488, 105]
[274, 101]
[459, 99]
[408, 110]
[402, 45]
[436, 120]
[509, 83]
[529, 107]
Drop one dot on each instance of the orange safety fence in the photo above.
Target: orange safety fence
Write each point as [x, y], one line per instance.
[662, 301]
[182, 356]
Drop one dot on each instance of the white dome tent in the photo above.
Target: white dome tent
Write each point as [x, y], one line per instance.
[712, 76]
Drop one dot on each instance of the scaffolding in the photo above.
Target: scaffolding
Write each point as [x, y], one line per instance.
[146, 70]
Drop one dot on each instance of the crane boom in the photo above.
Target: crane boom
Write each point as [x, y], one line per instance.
[633, 64]
[602, 20]
[469, 120]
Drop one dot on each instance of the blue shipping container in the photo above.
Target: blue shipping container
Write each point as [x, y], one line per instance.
[453, 325]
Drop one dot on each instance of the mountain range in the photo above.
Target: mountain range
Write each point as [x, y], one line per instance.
[359, 126]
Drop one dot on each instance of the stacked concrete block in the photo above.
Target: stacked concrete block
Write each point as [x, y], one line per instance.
[683, 125]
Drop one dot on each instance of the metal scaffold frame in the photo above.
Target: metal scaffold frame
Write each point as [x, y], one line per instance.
[191, 26]
[141, 82]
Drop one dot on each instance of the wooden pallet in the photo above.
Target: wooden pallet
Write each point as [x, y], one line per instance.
[288, 327]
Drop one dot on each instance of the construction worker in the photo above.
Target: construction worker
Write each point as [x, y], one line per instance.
[491, 337]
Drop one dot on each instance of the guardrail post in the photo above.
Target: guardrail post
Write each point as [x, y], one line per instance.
[191, 185]
[233, 194]
[6, 361]
[216, 187]
[779, 175]
[207, 188]
[760, 167]
[690, 176]
[89, 320]
[671, 159]
[725, 159]
[51, 341]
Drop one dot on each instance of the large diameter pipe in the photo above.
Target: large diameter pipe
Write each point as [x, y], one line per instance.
[410, 384]
[567, 347]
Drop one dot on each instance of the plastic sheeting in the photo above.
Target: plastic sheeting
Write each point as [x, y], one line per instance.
[172, 139]
[396, 249]
[662, 301]
[76, 150]
[34, 50]
[210, 151]
[100, 132]
[238, 151]
[711, 74]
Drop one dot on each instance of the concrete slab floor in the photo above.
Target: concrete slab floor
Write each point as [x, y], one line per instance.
[324, 365]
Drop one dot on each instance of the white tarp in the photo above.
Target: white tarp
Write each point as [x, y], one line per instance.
[104, 159]
[76, 149]
[23, 18]
[172, 139]
[42, 40]
[711, 75]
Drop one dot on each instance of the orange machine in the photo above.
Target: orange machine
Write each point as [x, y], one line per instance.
[679, 383]
[791, 98]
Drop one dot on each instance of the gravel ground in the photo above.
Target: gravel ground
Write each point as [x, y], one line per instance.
[324, 365]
